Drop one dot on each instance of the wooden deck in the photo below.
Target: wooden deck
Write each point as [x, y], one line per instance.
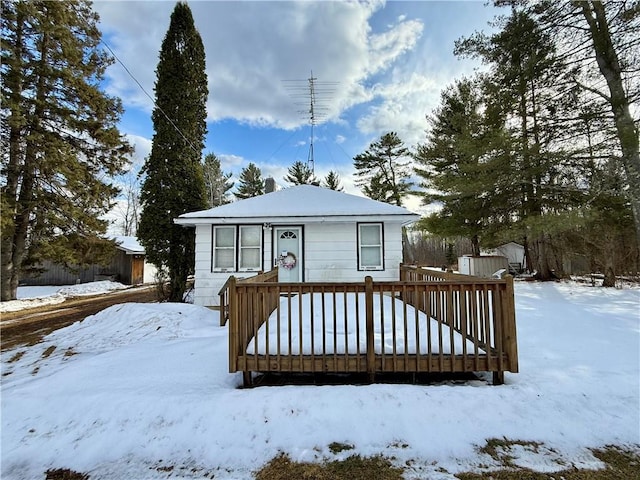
[428, 322]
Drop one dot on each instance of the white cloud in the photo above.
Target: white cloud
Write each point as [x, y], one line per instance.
[402, 107]
[142, 149]
[231, 162]
[251, 47]
[388, 46]
[134, 31]
[340, 139]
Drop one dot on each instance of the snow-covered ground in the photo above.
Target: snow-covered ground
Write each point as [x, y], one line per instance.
[29, 297]
[140, 388]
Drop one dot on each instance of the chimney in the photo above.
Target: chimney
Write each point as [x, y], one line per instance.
[269, 185]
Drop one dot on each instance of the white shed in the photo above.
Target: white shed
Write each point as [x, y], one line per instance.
[311, 233]
[484, 266]
[514, 253]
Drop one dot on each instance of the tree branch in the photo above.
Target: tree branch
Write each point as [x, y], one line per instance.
[593, 90]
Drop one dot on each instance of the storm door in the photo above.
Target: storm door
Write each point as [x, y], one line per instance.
[289, 253]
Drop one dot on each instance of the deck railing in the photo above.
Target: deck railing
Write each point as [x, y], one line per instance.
[262, 277]
[425, 323]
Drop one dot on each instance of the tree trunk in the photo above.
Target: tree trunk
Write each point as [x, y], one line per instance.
[609, 65]
[25, 203]
[609, 277]
[541, 259]
[10, 190]
[475, 246]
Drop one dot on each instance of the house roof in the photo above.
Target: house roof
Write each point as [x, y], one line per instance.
[129, 245]
[303, 201]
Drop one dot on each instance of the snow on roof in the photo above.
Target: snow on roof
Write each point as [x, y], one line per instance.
[130, 245]
[301, 201]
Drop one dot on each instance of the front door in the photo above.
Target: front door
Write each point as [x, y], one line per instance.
[289, 253]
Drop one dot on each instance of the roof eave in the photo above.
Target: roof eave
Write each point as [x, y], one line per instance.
[405, 219]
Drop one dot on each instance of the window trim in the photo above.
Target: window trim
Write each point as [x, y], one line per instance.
[377, 268]
[240, 247]
[214, 268]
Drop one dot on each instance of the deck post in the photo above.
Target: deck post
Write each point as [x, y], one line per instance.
[233, 325]
[510, 341]
[371, 354]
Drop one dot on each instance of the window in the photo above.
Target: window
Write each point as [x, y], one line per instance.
[224, 249]
[237, 248]
[250, 247]
[370, 256]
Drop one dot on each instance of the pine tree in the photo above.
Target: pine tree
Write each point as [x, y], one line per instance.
[216, 181]
[251, 183]
[300, 174]
[332, 181]
[383, 170]
[527, 86]
[59, 130]
[453, 165]
[174, 181]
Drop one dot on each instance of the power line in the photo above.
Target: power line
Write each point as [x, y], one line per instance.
[151, 98]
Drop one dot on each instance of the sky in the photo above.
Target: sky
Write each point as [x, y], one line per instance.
[380, 67]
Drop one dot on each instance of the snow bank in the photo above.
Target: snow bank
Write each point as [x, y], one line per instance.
[36, 296]
[141, 386]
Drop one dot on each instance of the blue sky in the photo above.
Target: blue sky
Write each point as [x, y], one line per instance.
[390, 61]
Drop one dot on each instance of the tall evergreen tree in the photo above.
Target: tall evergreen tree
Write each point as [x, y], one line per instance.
[332, 181]
[527, 85]
[174, 182]
[251, 183]
[457, 163]
[300, 174]
[216, 181]
[383, 169]
[59, 134]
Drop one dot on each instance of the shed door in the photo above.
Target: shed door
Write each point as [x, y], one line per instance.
[137, 269]
[289, 253]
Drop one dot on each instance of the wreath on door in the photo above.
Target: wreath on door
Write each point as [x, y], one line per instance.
[287, 261]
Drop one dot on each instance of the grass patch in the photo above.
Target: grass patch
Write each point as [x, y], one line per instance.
[47, 353]
[499, 448]
[620, 465]
[70, 352]
[337, 447]
[352, 468]
[17, 356]
[65, 474]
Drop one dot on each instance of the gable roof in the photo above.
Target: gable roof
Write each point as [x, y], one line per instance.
[303, 201]
[130, 245]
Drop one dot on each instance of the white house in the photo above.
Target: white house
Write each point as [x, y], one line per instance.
[311, 233]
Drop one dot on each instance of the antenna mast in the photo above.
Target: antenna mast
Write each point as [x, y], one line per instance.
[317, 94]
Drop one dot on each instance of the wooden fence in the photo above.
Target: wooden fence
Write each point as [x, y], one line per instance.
[429, 321]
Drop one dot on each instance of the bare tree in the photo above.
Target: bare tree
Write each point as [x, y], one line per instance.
[128, 206]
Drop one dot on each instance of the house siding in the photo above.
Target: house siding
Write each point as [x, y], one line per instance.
[330, 255]
[209, 283]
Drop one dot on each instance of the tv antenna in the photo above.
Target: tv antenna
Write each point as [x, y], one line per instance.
[313, 96]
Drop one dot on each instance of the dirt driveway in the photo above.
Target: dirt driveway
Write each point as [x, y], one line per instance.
[27, 327]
